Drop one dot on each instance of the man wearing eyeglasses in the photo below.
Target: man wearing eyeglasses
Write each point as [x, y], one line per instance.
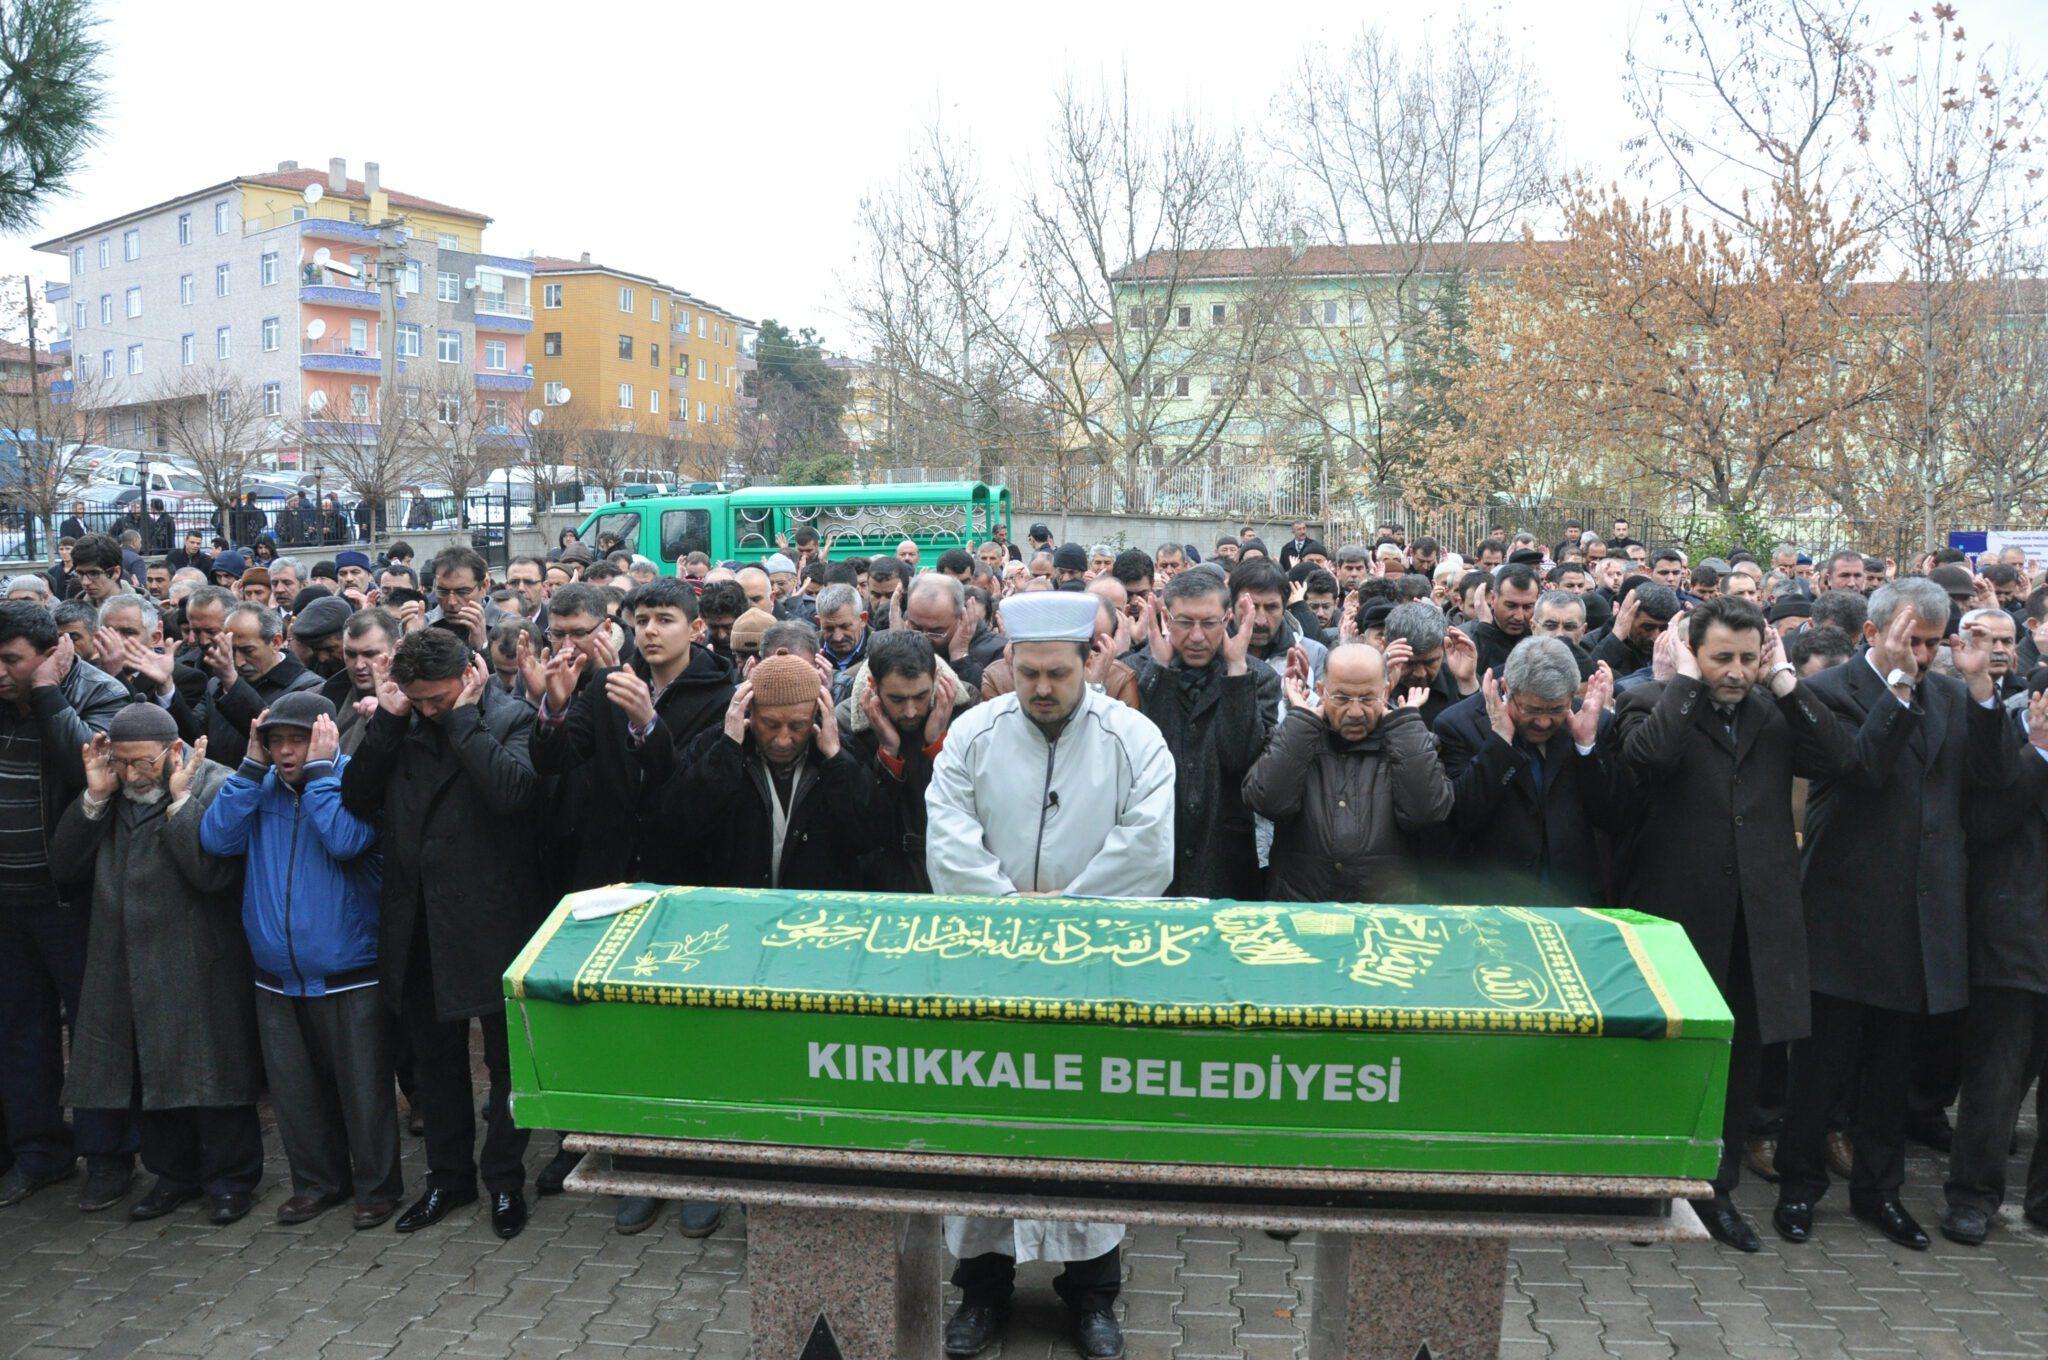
[462, 583]
[1199, 685]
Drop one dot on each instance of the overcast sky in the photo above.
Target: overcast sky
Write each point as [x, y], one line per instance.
[723, 148]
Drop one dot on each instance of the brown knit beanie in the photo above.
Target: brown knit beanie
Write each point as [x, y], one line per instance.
[747, 630]
[784, 680]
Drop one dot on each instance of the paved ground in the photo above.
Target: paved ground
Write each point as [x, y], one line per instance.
[72, 1285]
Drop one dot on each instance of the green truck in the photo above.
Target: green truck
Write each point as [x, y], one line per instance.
[749, 525]
[1520, 1040]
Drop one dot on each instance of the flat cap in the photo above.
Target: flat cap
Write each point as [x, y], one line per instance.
[300, 708]
[323, 618]
[142, 722]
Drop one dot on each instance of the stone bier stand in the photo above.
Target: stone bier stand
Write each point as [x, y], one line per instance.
[1407, 1265]
[1418, 1085]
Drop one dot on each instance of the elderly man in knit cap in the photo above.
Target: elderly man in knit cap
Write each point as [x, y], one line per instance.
[1053, 789]
[164, 933]
[254, 586]
[1069, 564]
[309, 910]
[352, 569]
[747, 630]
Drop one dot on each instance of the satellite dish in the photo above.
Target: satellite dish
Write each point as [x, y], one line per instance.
[322, 256]
[317, 402]
[315, 328]
[67, 375]
[561, 396]
[469, 282]
[533, 418]
[314, 193]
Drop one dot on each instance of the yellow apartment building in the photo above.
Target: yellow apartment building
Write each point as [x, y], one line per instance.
[603, 347]
[706, 371]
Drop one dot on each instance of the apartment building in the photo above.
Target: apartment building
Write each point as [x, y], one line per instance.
[244, 292]
[606, 352]
[709, 358]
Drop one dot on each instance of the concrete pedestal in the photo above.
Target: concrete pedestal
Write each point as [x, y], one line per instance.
[874, 1279]
[1397, 1298]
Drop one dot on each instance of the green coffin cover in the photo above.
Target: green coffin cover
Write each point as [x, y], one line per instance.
[1456, 1038]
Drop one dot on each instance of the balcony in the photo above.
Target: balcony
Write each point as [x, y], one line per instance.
[331, 295]
[61, 345]
[498, 304]
[504, 382]
[334, 354]
[56, 292]
[60, 390]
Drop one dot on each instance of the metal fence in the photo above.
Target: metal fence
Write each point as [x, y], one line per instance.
[24, 538]
[1249, 491]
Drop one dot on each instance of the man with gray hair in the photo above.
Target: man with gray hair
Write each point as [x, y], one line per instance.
[32, 588]
[1533, 782]
[1423, 651]
[130, 641]
[1883, 882]
[1561, 614]
[952, 621]
[843, 633]
[251, 670]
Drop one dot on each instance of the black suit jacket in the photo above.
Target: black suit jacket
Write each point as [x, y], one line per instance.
[1512, 838]
[1714, 841]
[1884, 865]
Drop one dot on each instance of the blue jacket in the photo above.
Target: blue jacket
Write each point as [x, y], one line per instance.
[309, 895]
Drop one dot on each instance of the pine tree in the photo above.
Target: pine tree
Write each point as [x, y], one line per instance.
[51, 99]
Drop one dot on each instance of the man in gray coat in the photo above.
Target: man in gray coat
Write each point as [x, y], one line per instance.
[1348, 784]
[166, 929]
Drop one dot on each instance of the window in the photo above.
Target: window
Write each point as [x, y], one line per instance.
[1156, 388]
[623, 525]
[106, 309]
[448, 408]
[1219, 312]
[700, 413]
[551, 344]
[269, 334]
[551, 295]
[299, 212]
[131, 244]
[359, 400]
[1304, 386]
[1180, 387]
[1219, 386]
[654, 355]
[700, 325]
[494, 413]
[1358, 311]
[186, 291]
[184, 229]
[266, 269]
[447, 288]
[223, 403]
[220, 218]
[684, 532]
[358, 335]
[1329, 313]
[408, 340]
[135, 423]
[1306, 314]
[626, 300]
[625, 347]
[625, 396]
[654, 308]
[409, 403]
[446, 240]
[273, 399]
[77, 261]
[106, 251]
[223, 342]
[494, 355]
[135, 358]
[654, 401]
[1183, 317]
[186, 348]
[551, 394]
[448, 346]
[106, 363]
[134, 300]
[701, 371]
[220, 280]
[409, 282]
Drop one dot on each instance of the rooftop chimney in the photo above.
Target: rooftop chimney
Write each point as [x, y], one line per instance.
[586, 257]
[370, 177]
[337, 175]
[287, 165]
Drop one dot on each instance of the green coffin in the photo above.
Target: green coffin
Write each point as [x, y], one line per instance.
[1555, 1041]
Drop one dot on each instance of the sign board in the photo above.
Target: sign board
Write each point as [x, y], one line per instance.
[1989, 543]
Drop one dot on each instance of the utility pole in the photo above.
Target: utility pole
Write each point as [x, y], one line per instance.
[35, 418]
[390, 269]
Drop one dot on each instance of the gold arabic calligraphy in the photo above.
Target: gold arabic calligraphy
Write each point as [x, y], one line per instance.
[961, 935]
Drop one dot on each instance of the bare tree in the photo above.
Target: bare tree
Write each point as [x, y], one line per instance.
[1421, 162]
[219, 422]
[369, 457]
[45, 444]
[1138, 239]
[2001, 430]
[1951, 183]
[463, 435]
[936, 296]
[600, 450]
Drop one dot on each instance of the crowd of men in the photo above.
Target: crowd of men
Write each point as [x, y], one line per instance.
[282, 827]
